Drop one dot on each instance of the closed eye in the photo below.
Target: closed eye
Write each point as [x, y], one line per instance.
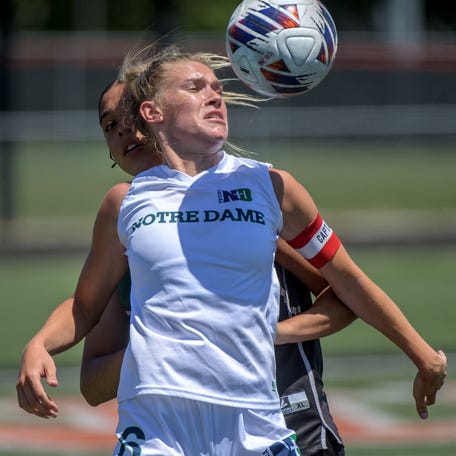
[218, 87]
[109, 126]
[197, 85]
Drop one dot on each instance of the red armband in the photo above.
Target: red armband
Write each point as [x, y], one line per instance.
[317, 243]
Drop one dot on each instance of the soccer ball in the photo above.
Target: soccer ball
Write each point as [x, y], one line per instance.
[281, 48]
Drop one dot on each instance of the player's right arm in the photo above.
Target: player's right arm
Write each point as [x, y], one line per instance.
[326, 316]
[102, 357]
[73, 319]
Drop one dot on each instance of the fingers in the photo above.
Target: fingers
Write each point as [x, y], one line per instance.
[420, 397]
[426, 386]
[445, 361]
[38, 409]
[36, 364]
[422, 412]
[431, 398]
[51, 375]
[31, 395]
[33, 399]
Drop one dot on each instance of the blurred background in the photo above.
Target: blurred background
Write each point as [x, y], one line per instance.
[394, 75]
[374, 143]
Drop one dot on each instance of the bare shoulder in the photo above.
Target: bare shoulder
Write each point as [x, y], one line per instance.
[118, 191]
[298, 208]
[280, 181]
[279, 175]
[110, 206]
[285, 185]
[115, 195]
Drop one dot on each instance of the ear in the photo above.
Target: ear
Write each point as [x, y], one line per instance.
[150, 112]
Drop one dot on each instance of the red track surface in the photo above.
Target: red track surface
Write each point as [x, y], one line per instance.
[84, 429]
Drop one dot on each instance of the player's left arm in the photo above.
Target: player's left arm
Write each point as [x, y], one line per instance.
[293, 262]
[310, 236]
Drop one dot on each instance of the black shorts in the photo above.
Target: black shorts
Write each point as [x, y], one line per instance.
[334, 448]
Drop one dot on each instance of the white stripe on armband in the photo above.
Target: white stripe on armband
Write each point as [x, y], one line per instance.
[317, 243]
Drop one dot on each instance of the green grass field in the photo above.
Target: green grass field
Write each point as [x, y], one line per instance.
[70, 179]
[420, 280]
[56, 181]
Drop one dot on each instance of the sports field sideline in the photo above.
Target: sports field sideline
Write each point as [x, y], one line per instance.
[364, 415]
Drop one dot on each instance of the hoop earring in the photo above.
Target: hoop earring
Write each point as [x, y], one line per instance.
[115, 163]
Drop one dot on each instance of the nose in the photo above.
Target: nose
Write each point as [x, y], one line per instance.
[214, 98]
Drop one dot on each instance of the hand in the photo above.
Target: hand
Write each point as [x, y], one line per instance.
[31, 395]
[427, 384]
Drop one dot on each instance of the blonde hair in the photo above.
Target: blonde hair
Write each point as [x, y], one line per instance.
[143, 74]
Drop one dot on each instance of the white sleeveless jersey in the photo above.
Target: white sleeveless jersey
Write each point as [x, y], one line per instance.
[204, 292]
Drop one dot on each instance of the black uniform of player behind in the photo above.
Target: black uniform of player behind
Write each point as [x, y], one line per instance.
[299, 379]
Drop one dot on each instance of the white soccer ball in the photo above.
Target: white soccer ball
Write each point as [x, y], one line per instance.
[281, 48]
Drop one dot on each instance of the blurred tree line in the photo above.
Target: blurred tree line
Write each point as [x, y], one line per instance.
[187, 15]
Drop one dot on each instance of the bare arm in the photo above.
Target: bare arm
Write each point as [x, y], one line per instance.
[73, 319]
[362, 295]
[293, 262]
[326, 316]
[102, 357]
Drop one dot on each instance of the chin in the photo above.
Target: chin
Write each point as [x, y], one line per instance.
[218, 145]
[220, 138]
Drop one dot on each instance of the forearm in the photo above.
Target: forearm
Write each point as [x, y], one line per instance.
[376, 308]
[64, 328]
[100, 377]
[384, 315]
[327, 316]
[103, 352]
[57, 334]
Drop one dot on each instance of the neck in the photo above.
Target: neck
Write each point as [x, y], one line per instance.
[192, 162]
[193, 165]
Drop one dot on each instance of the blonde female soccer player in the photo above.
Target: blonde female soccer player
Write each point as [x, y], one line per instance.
[200, 233]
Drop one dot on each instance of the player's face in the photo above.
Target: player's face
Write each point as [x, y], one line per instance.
[194, 112]
[126, 146]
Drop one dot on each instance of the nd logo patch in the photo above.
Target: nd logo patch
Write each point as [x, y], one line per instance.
[239, 194]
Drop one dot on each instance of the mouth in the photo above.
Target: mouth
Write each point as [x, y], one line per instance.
[132, 148]
[215, 115]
